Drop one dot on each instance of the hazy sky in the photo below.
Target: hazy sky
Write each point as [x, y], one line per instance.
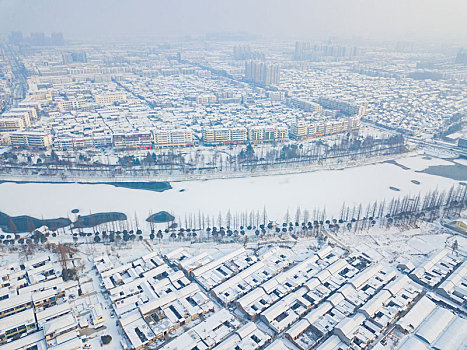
[374, 19]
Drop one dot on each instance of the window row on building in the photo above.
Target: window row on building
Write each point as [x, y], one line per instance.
[302, 130]
[239, 135]
[141, 140]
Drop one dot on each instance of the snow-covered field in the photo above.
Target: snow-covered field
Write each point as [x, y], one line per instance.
[277, 193]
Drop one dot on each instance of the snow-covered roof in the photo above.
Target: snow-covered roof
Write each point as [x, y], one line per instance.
[412, 320]
[454, 336]
[375, 304]
[298, 328]
[29, 341]
[412, 343]
[364, 276]
[434, 325]
[22, 318]
[348, 325]
[56, 325]
[332, 343]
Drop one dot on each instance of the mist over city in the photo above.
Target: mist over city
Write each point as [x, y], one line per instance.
[438, 21]
[248, 175]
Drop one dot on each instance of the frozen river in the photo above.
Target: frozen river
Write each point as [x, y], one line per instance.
[277, 193]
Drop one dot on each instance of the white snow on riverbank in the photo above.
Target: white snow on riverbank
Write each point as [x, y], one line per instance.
[420, 163]
[461, 161]
[278, 193]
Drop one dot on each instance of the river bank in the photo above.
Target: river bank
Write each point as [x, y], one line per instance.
[276, 195]
[126, 181]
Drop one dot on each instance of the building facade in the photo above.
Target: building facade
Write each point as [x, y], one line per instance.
[302, 130]
[11, 124]
[262, 73]
[173, 138]
[143, 140]
[223, 136]
[264, 134]
[31, 139]
[68, 143]
[107, 99]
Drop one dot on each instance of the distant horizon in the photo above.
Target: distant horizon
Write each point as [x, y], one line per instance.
[449, 48]
[398, 20]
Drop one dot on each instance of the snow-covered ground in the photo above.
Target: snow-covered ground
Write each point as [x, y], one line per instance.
[420, 163]
[461, 161]
[398, 244]
[277, 193]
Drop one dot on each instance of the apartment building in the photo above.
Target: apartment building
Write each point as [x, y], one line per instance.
[24, 115]
[11, 124]
[264, 134]
[262, 73]
[34, 340]
[14, 305]
[70, 105]
[107, 99]
[173, 138]
[31, 111]
[306, 105]
[343, 106]
[31, 139]
[59, 328]
[301, 129]
[223, 136]
[140, 140]
[69, 143]
[206, 99]
[30, 104]
[16, 325]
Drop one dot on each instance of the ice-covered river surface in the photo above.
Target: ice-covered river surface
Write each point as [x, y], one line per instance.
[276, 193]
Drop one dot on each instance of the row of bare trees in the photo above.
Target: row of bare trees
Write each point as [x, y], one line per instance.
[405, 212]
[341, 149]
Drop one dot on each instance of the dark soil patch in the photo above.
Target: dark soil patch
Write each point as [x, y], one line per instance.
[157, 186]
[393, 162]
[455, 172]
[24, 223]
[161, 217]
[97, 219]
[150, 186]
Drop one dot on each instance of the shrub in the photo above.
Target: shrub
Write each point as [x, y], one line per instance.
[106, 339]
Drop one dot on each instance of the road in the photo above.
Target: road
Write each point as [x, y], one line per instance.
[425, 143]
[20, 84]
